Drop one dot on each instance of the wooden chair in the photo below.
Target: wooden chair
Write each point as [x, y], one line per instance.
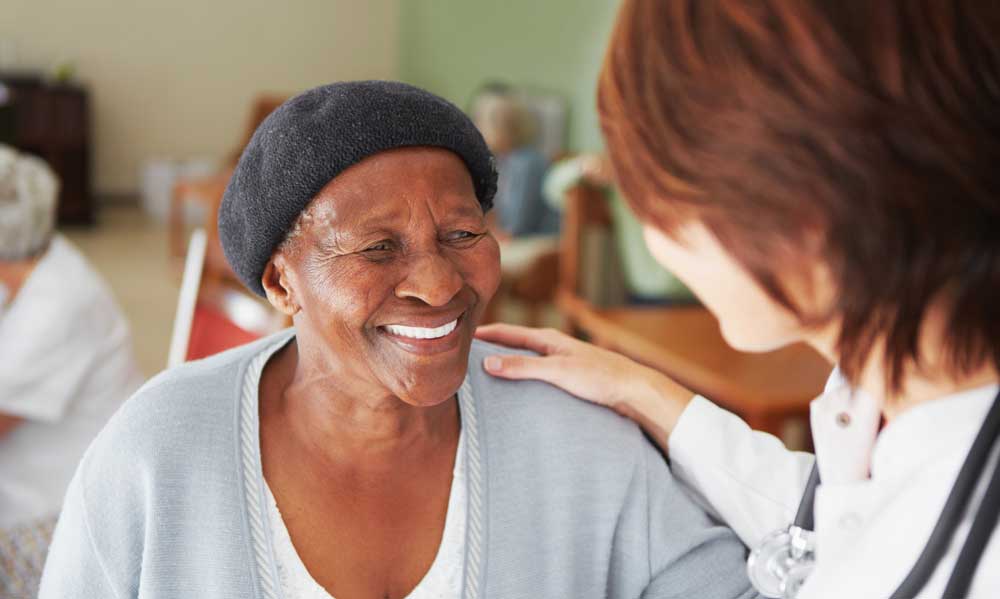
[532, 284]
[536, 287]
[207, 191]
[213, 314]
[767, 390]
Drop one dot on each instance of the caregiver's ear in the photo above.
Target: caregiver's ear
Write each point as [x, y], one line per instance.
[277, 284]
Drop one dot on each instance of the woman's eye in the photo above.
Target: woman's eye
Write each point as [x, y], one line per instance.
[461, 236]
[382, 246]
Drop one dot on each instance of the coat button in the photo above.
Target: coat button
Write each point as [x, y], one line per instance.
[843, 420]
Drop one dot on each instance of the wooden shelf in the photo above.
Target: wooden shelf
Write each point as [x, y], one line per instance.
[53, 123]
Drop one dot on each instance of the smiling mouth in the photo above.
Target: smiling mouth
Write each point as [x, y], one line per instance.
[421, 332]
[433, 340]
[413, 332]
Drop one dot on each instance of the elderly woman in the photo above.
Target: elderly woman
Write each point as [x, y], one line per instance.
[357, 455]
[66, 365]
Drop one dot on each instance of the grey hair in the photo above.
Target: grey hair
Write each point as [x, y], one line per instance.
[306, 219]
[28, 191]
[290, 243]
[506, 112]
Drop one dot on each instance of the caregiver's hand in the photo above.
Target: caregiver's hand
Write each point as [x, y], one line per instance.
[591, 373]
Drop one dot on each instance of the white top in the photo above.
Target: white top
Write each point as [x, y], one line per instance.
[66, 364]
[444, 578]
[869, 528]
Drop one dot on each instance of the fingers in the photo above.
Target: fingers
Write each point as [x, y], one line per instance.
[540, 341]
[548, 369]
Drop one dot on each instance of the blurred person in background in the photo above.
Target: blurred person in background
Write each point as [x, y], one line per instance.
[646, 281]
[524, 224]
[66, 364]
[510, 129]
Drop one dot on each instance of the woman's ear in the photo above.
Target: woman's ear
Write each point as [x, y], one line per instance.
[275, 281]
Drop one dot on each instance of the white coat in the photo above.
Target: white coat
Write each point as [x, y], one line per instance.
[881, 493]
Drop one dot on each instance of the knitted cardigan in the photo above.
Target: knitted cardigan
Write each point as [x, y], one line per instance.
[566, 499]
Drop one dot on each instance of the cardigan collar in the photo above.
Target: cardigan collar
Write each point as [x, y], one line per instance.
[255, 501]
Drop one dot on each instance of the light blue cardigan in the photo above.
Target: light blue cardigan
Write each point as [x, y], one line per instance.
[565, 500]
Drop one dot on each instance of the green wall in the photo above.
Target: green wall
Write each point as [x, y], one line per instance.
[451, 46]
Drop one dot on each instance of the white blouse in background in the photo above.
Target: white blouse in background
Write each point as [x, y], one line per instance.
[66, 364]
[869, 529]
[444, 578]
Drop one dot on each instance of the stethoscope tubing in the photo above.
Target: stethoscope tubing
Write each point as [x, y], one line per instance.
[982, 529]
[951, 515]
[804, 516]
[983, 524]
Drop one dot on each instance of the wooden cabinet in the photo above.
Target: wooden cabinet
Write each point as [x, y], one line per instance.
[52, 121]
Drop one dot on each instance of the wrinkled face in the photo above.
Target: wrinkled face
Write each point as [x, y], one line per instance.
[389, 271]
[750, 320]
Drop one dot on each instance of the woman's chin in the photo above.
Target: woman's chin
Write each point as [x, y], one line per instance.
[429, 398]
[429, 387]
[754, 341]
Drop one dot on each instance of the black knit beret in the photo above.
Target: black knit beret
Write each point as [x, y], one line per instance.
[315, 136]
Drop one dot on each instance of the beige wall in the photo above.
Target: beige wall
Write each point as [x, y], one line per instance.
[176, 78]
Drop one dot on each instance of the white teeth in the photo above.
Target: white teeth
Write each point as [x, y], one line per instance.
[420, 332]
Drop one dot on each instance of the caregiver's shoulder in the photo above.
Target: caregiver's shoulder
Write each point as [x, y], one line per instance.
[537, 409]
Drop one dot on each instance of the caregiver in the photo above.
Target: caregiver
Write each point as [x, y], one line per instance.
[822, 172]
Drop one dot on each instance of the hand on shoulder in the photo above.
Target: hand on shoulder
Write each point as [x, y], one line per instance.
[591, 373]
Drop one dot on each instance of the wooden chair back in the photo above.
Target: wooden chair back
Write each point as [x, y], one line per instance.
[213, 313]
[585, 209]
[207, 191]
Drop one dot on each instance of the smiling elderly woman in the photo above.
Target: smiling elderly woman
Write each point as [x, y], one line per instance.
[357, 455]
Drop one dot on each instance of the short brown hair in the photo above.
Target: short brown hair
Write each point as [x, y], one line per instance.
[865, 132]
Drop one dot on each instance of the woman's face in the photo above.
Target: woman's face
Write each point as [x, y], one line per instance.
[391, 269]
[750, 320]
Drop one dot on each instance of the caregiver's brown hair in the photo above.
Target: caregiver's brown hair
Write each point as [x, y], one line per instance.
[863, 133]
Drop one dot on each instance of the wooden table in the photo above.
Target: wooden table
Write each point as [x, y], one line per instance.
[685, 343]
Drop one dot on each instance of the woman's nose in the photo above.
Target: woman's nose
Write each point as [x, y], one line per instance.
[430, 278]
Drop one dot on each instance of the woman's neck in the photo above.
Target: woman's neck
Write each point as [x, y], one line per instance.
[920, 387]
[934, 378]
[345, 424]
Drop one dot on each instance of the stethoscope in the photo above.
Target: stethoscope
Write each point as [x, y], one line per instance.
[780, 565]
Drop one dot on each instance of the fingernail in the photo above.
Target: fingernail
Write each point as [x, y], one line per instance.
[493, 364]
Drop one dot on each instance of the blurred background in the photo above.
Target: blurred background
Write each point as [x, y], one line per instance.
[126, 99]
[141, 108]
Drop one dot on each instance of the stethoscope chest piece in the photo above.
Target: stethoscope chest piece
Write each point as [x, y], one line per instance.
[782, 562]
